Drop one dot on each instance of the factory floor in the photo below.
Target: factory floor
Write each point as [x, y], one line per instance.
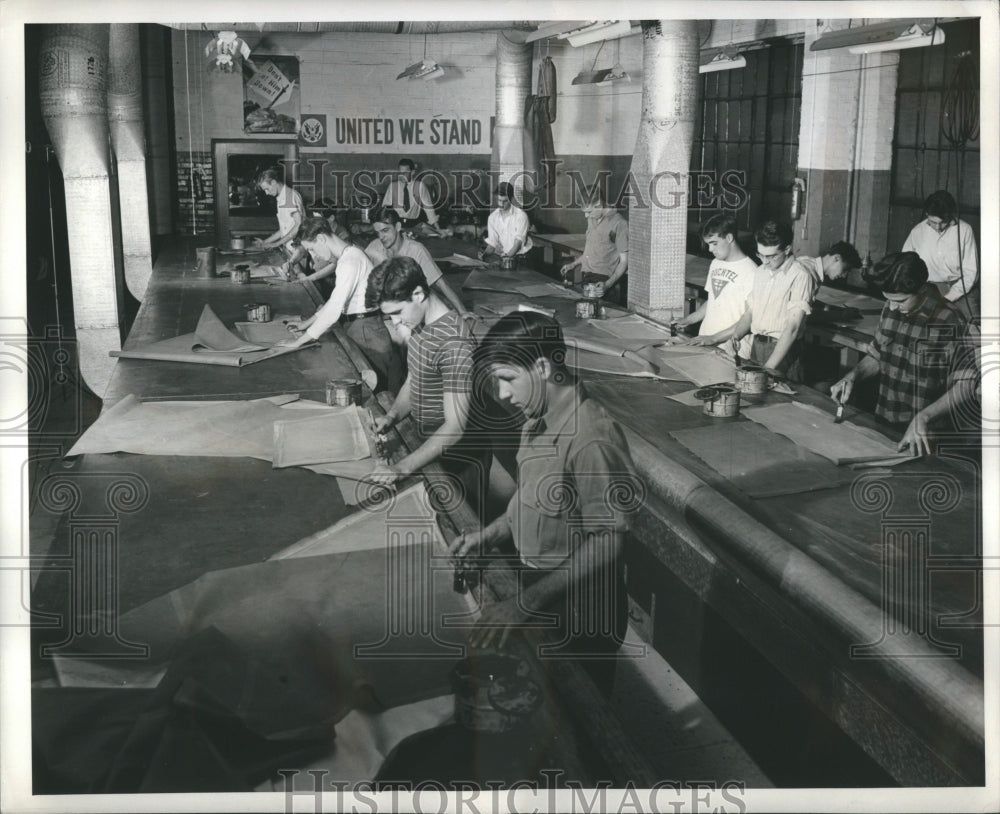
[668, 723]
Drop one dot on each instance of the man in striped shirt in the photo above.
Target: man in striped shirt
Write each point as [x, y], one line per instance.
[924, 351]
[437, 392]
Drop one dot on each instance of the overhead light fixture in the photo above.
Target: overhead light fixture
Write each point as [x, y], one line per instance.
[425, 69]
[915, 38]
[889, 36]
[554, 29]
[606, 30]
[604, 77]
[724, 60]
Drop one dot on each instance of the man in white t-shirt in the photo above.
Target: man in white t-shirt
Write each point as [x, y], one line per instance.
[291, 211]
[730, 279]
[507, 226]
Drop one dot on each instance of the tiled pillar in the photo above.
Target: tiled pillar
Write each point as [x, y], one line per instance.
[658, 215]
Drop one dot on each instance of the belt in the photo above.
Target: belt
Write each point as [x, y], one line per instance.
[362, 315]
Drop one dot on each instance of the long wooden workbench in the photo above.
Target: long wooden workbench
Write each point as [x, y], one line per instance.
[851, 613]
[188, 523]
[774, 608]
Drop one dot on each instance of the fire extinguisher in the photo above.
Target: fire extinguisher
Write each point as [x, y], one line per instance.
[798, 193]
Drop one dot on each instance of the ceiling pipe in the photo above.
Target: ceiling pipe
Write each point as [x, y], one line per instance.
[73, 80]
[405, 27]
[125, 119]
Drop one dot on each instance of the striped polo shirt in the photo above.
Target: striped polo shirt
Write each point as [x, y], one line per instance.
[439, 356]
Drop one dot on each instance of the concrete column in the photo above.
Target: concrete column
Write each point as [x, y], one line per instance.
[513, 87]
[845, 148]
[73, 82]
[660, 164]
[127, 140]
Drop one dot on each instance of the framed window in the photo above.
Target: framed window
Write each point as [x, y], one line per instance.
[749, 124]
[923, 159]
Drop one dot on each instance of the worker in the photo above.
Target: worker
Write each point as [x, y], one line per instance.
[437, 392]
[506, 227]
[780, 300]
[834, 264]
[567, 520]
[605, 251]
[948, 248]
[391, 242]
[410, 198]
[291, 211]
[729, 280]
[925, 353]
[362, 323]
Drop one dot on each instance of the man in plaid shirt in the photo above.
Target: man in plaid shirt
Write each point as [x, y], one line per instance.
[925, 352]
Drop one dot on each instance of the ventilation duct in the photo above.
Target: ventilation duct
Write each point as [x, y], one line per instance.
[660, 164]
[126, 122]
[73, 80]
[513, 87]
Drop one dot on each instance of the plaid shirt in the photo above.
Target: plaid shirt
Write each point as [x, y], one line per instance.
[921, 355]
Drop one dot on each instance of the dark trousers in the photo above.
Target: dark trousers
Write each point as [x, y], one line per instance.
[791, 365]
[372, 337]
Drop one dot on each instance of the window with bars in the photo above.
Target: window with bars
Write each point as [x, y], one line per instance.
[923, 159]
[749, 123]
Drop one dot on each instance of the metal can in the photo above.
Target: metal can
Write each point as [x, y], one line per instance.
[587, 309]
[240, 276]
[720, 400]
[593, 290]
[258, 312]
[343, 392]
[751, 379]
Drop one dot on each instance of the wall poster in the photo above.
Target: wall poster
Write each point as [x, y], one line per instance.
[270, 94]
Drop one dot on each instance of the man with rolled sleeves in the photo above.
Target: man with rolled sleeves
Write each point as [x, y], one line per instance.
[605, 251]
[347, 304]
[925, 353]
[567, 520]
[780, 300]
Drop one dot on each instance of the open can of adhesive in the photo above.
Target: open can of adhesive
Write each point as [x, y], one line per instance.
[588, 309]
[343, 392]
[593, 291]
[258, 312]
[240, 275]
[719, 400]
[751, 379]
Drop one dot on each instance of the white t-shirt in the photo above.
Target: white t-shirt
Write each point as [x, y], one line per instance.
[728, 286]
